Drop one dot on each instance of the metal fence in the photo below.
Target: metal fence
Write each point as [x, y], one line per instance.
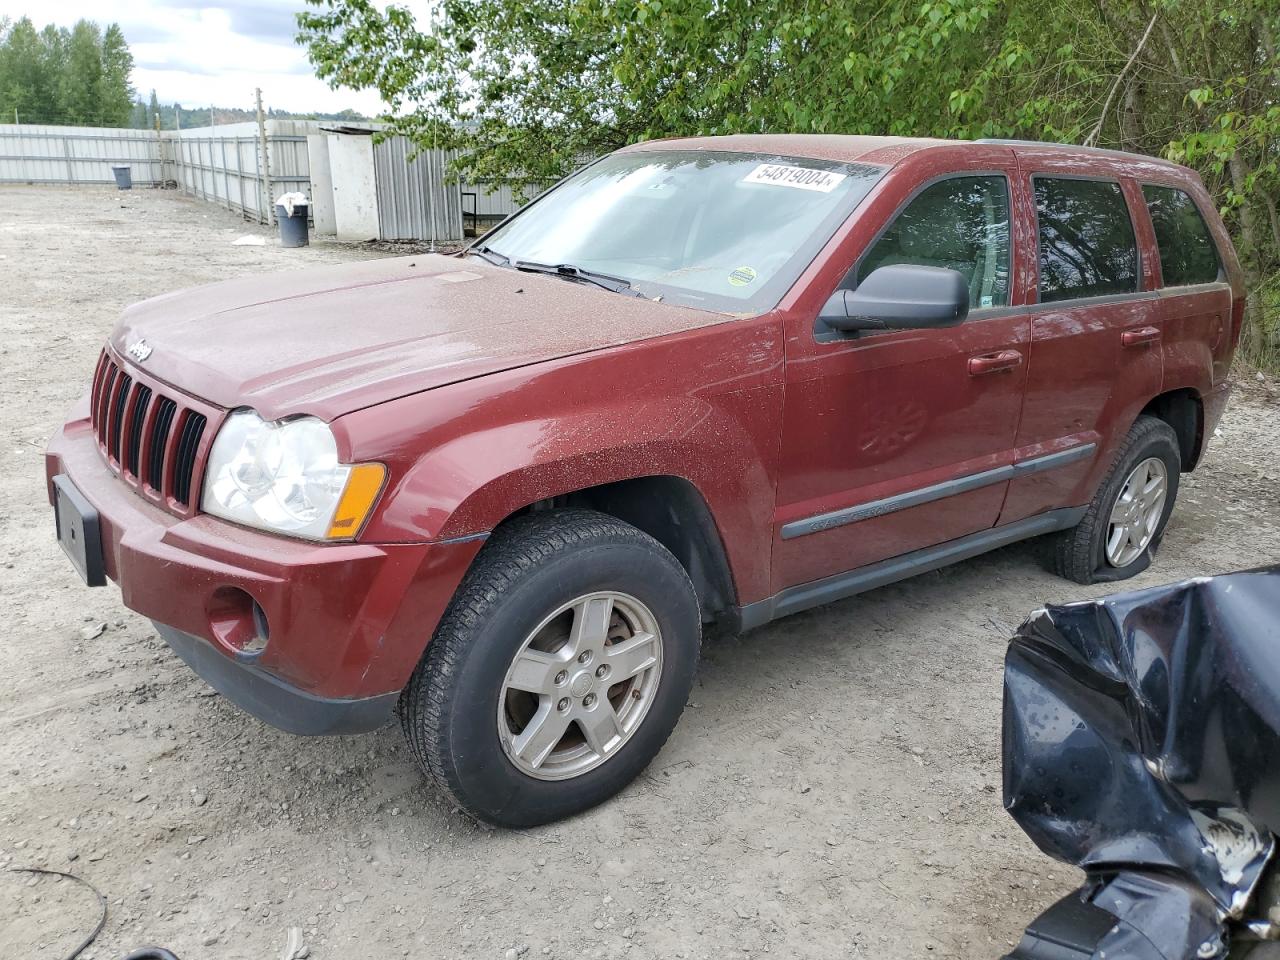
[411, 197]
[224, 165]
[31, 153]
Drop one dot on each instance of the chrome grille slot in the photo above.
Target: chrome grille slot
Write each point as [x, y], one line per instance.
[137, 415]
[184, 463]
[166, 410]
[118, 397]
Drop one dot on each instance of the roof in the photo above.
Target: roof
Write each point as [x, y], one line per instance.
[882, 150]
[817, 146]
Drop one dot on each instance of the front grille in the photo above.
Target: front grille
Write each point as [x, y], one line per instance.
[152, 440]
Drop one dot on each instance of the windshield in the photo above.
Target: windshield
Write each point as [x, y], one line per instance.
[722, 231]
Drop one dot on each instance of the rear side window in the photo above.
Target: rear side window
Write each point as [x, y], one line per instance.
[961, 223]
[1187, 253]
[1087, 246]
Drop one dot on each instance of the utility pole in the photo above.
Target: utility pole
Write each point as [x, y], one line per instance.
[159, 149]
[435, 153]
[264, 162]
[15, 116]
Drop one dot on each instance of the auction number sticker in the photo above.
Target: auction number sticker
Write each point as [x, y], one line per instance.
[801, 178]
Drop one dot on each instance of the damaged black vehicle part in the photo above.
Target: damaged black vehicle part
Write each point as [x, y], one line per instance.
[1142, 744]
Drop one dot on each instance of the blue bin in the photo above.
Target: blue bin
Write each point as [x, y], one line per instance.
[124, 177]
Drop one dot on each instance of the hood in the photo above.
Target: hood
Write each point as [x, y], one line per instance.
[332, 340]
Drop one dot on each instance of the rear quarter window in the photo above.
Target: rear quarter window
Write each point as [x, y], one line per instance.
[1187, 251]
[1087, 245]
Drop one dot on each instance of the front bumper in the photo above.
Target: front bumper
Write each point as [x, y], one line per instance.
[344, 624]
[272, 700]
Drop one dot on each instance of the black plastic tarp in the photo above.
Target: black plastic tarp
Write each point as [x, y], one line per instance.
[1142, 743]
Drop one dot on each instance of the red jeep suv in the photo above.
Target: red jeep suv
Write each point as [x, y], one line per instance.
[713, 380]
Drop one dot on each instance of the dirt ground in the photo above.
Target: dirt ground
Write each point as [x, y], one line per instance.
[832, 791]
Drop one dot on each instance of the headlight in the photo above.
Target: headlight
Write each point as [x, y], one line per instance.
[285, 477]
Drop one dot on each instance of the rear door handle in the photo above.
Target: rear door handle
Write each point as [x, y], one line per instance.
[994, 362]
[1135, 338]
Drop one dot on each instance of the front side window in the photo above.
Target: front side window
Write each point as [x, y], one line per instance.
[1087, 246]
[961, 223]
[713, 229]
[1187, 252]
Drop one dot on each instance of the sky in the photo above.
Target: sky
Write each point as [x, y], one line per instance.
[198, 52]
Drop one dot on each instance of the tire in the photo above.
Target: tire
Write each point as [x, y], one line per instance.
[455, 706]
[1081, 553]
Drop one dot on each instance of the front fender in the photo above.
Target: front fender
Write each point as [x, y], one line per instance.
[704, 406]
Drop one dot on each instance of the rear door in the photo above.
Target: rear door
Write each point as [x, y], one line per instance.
[892, 440]
[1195, 296]
[1095, 357]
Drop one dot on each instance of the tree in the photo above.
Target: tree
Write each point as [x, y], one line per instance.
[81, 79]
[527, 90]
[117, 91]
[28, 84]
[138, 115]
[60, 76]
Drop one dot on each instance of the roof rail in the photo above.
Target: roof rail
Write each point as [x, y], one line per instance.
[1105, 151]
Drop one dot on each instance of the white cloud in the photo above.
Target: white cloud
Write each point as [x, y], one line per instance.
[196, 53]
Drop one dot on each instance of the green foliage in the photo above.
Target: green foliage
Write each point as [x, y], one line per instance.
[58, 76]
[117, 64]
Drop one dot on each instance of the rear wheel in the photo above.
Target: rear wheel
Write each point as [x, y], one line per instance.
[559, 670]
[1124, 522]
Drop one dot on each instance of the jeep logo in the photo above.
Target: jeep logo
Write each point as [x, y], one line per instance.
[139, 350]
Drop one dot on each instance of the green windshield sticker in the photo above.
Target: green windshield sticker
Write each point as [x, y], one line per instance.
[742, 276]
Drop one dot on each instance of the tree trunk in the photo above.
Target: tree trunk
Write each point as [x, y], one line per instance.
[1252, 335]
[1131, 117]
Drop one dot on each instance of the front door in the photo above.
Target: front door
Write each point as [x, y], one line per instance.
[893, 441]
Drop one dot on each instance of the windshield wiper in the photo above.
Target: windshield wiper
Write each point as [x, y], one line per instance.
[492, 256]
[571, 272]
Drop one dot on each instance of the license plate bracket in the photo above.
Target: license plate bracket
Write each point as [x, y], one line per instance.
[79, 531]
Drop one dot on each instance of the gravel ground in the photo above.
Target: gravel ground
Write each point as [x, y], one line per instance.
[833, 789]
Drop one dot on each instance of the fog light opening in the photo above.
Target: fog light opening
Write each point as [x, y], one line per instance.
[238, 622]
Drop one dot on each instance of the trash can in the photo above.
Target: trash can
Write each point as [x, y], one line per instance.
[293, 225]
[124, 177]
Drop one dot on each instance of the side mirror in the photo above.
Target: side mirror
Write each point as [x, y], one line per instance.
[900, 297]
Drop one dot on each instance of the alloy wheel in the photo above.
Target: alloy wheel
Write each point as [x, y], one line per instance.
[1137, 512]
[580, 685]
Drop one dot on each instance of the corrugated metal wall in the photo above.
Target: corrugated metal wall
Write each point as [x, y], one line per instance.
[223, 165]
[31, 153]
[416, 201]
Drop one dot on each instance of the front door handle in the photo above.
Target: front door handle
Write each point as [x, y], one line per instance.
[1139, 336]
[994, 362]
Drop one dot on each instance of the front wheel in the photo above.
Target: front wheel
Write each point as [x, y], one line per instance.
[1126, 518]
[559, 670]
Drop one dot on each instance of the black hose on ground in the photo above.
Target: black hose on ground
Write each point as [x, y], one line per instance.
[102, 903]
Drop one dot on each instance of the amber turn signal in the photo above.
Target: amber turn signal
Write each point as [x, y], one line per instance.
[363, 486]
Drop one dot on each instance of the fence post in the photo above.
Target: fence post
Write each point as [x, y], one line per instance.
[240, 175]
[264, 164]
